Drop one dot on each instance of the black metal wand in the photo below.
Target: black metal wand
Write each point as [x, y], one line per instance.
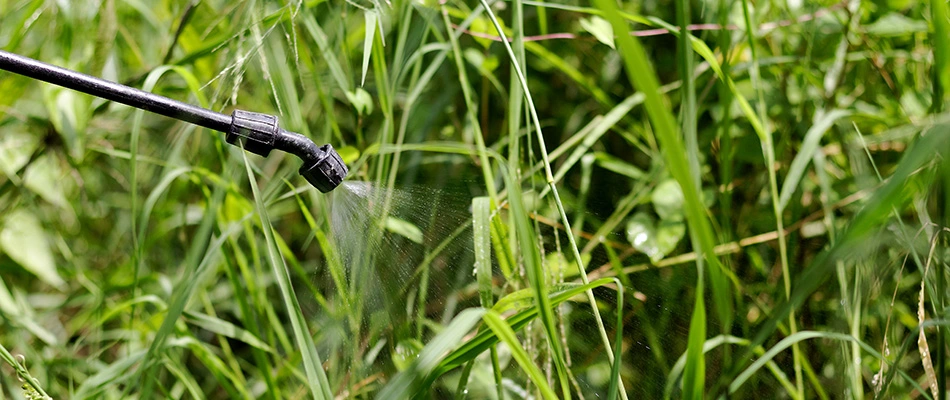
[259, 133]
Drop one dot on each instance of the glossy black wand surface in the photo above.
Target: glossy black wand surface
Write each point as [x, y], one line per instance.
[259, 133]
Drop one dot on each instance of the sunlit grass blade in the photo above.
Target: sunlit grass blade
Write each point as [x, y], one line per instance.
[316, 376]
[485, 339]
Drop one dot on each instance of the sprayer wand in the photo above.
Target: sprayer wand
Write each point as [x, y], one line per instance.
[259, 133]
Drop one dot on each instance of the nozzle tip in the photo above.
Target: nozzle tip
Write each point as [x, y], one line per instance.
[327, 172]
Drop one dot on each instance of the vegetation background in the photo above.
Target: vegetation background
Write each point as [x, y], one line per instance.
[547, 199]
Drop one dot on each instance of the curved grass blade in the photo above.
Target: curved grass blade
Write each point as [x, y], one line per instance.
[485, 339]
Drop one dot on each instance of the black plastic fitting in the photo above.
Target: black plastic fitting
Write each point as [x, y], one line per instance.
[259, 133]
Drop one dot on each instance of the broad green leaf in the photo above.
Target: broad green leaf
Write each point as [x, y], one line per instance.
[405, 353]
[895, 24]
[654, 240]
[484, 27]
[668, 200]
[361, 100]
[45, 178]
[600, 28]
[68, 112]
[349, 154]
[15, 150]
[24, 240]
[668, 235]
[479, 59]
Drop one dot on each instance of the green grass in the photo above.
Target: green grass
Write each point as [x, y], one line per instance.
[549, 213]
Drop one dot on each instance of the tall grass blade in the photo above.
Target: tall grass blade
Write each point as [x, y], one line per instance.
[198, 257]
[643, 77]
[940, 17]
[537, 278]
[612, 390]
[768, 152]
[316, 377]
[558, 355]
[481, 232]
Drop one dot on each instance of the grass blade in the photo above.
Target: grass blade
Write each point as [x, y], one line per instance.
[537, 278]
[940, 17]
[504, 332]
[481, 233]
[805, 153]
[893, 195]
[316, 376]
[558, 355]
[618, 345]
[643, 77]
